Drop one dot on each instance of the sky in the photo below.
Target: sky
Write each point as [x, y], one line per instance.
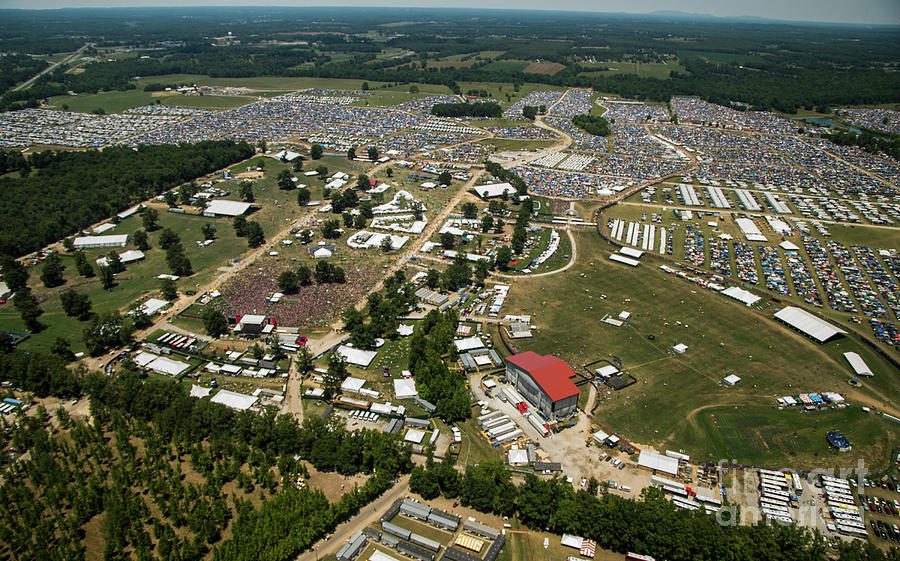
[835, 11]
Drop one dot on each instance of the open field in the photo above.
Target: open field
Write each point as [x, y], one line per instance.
[722, 338]
[516, 144]
[117, 102]
[506, 65]
[543, 68]
[644, 69]
[286, 83]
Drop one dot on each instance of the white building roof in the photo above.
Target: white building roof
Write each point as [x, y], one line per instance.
[731, 379]
[517, 457]
[252, 319]
[858, 364]
[494, 190]
[468, 344]
[414, 435]
[658, 462]
[153, 305]
[131, 255]
[405, 388]
[111, 240]
[607, 371]
[626, 260]
[222, 207]
[104, 228]
[199, 391]
[163, 365]
[803, 321]
[741, 295]
[351, 384]
[356, 357]
[680, 348]
[631, 252]
[788, 246]
[234, 400]
[379, 555]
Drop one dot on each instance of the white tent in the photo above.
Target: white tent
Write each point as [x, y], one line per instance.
[680, 348]
[803, 321]
[414, 435]
[352, 385]
[468, 344]
[858, 365]
[221, 207]
[652, 460]
[234, 400]
[731, 379]
[356, 357]
[405, 388]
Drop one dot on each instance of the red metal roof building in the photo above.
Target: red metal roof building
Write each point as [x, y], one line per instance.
[546, 382]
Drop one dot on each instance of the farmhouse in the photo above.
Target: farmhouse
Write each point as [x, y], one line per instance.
[222, 208]
[545, 381]
[93, 242]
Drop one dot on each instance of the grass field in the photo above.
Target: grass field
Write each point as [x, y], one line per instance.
[644, 69]
[665, 407]
[544, 68]
[506, 65]
[117, 102]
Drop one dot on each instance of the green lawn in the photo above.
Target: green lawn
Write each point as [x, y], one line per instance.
[666, 405]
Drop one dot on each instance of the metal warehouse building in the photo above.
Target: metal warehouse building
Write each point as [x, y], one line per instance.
[545, 382]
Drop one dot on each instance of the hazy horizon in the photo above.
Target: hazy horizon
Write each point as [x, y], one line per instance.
[867, 12]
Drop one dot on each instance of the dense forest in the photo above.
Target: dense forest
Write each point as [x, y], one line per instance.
[59, 193]
[161, 475]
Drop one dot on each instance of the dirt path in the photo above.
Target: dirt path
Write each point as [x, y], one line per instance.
[370, 514]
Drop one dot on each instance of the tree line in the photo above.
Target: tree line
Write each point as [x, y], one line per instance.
[65, 191]
[651, 524]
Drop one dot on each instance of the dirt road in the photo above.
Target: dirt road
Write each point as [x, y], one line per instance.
[370, 514]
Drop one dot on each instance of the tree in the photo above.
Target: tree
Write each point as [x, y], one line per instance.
[365, 86]
[373, 153]
[386, 244]
[482, 270]
[170, 198]
[62, 348]
[348, 220]
[359, 222]
[304, 275]
[150, 219]
[351, 153]
[306, 236]
[303, 359]
[498, 226]
[432, 278]
[258, 352]
[178, 262]
[168, 288]
[519, 238]
[255, 235]
[389, 172]
[414, 89]
[303, 196]
[141, 240]
[24, 301]
[469, 210]
[288, 282]
[209, 231]
[52, 273]
[487, 223]
[69, 245]
[84, 268]
[334, 376]
[246, 191]
[504, 256]
[167, 238]
[114, 262]
[107, 280]
[240, 226]
[76, 304]
[106, 332]
[286, 180]
[297, 166]
[529, 112]
[448, 240]
[322, 171]
[331, 229]
[262, 146]
[445, 178]
[14, 274]
[315, 151]
[214, 322]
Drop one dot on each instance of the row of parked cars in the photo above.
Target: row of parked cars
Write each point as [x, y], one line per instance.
[886, 531]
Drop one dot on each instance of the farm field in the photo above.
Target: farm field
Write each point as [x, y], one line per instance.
[117, 102]
[657, 70]
[543, 68]
[722, 338]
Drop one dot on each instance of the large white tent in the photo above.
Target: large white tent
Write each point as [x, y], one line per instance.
[234, 400]
[808, 324]
[356, 357]
[652, 460]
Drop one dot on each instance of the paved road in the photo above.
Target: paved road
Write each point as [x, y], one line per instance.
[27, 83]
[370, 514]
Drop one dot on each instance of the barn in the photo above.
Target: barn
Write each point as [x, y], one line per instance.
[545, 382]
